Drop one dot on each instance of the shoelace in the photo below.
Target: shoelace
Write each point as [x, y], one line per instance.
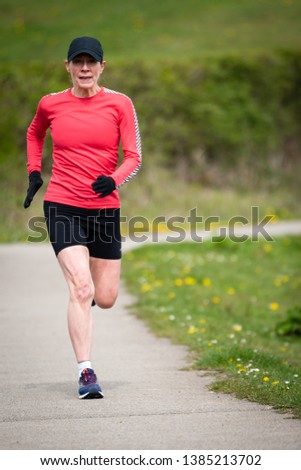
[88, 376]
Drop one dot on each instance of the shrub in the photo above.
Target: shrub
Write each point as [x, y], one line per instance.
[292, 324]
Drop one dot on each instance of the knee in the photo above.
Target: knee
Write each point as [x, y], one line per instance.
[105, 301]
[83, 292]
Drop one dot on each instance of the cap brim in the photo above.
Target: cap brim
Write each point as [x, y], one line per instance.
[86, 51]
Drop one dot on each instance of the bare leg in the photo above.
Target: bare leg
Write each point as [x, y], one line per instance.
[106, 276]
[74, 262]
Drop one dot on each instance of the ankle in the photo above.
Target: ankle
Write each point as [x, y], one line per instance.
[83, 365]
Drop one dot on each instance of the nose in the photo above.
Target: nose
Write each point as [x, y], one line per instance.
[85, 65]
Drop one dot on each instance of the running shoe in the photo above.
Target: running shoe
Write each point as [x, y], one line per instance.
[88, 386]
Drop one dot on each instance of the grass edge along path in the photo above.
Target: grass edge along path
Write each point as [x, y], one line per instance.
[237, 306]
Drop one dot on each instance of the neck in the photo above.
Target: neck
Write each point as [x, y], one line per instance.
[85, 92]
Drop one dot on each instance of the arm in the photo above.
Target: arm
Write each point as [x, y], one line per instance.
[131, 145]
[36, 134]
[35, 141]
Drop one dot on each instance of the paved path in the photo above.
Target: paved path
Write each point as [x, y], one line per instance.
[150, 401]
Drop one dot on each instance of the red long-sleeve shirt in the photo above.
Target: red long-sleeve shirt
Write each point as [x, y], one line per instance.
[86, 133]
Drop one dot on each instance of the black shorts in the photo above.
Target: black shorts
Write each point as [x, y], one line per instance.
[97, 229]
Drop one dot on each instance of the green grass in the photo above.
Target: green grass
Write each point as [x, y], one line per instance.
[226, 302]
[148, 29]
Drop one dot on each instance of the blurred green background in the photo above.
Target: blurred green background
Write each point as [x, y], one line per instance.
[216, 85]
[145, 29]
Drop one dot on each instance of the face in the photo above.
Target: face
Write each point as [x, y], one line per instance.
[85, 72]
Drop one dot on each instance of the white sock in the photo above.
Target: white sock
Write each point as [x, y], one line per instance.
[83, 365]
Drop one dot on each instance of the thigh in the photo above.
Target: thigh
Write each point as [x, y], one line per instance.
[75, 264]
[106, 278]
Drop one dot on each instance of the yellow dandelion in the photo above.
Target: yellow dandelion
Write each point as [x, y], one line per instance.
[274, 218]
[277, 282]
[285, 278]
[276, 382]
[203, 330]
[189, 281]
[171, 295]
[243, 369]
[231, 291]
[207, 282]
[146, 287]
[216, 300]
[265, 379]
[209, 344]
[273, 306]
[237, 328]
[282, 349]
[178, 282]
[186, 269]
[202, 321]
[192, 330]
[267, 248]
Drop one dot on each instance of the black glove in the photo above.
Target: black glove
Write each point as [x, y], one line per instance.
[104, 185]
[35, 182]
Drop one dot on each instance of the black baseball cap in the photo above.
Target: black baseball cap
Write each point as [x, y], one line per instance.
[86, 45]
